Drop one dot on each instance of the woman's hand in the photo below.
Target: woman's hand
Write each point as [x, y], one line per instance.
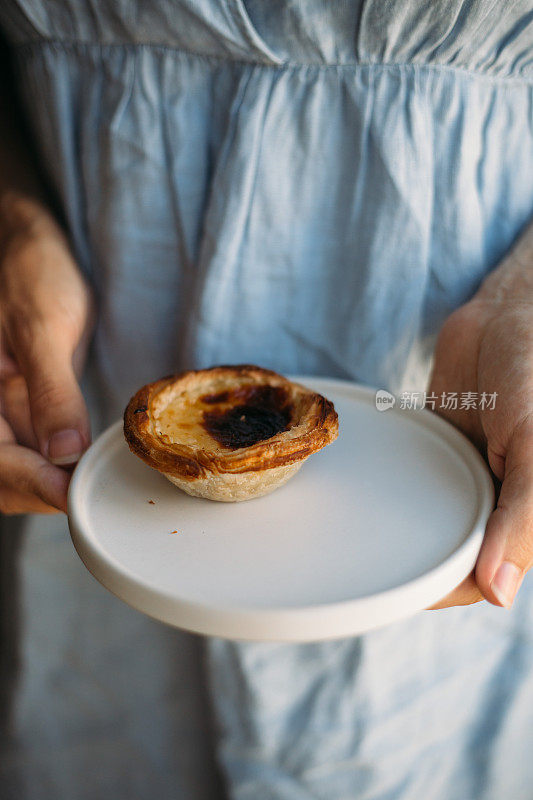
[45, 321]
[487, 346]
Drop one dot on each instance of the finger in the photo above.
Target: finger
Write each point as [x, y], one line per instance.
[13, 502]
[6, 433]
[58, 412]
[507, 550]
[8, 365]
[463, 595]
[16, 410]
[25, 472]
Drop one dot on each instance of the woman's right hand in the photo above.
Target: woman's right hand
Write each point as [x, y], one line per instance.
[46, 319]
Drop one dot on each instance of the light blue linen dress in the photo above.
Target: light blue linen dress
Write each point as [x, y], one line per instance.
[312, 186]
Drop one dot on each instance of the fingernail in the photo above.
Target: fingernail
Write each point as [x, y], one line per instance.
[506, 582]
[65, 447]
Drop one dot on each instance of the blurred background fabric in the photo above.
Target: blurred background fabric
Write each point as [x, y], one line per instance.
[97, 700]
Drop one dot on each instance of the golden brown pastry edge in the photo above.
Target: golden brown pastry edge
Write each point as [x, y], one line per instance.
[320, 423]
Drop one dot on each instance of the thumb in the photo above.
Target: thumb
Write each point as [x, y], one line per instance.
[507, 551]
[58, 411]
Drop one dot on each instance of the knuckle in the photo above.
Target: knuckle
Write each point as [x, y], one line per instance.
[15, 478]
[50, 394]
[49, 487]
[33, 333]
[25, 328]
[40, 478]
[17, 322]
[24, 484]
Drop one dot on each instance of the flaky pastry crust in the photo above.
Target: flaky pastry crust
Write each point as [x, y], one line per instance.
[229, 432]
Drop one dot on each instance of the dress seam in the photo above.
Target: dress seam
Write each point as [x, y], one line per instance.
[79, 44]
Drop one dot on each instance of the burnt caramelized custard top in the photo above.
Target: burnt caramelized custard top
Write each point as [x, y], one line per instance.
[227, 421]
[247, 415]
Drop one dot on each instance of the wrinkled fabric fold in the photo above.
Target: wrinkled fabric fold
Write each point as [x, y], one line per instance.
[239, 192]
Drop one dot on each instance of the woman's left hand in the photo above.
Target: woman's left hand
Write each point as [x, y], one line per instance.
[486, 347]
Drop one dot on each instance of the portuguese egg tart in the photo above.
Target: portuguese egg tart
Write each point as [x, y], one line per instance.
[230, 432]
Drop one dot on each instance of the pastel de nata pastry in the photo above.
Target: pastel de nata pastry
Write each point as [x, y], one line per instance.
[230, 432]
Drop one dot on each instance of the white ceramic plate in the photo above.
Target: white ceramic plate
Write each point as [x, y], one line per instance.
[378, 525]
